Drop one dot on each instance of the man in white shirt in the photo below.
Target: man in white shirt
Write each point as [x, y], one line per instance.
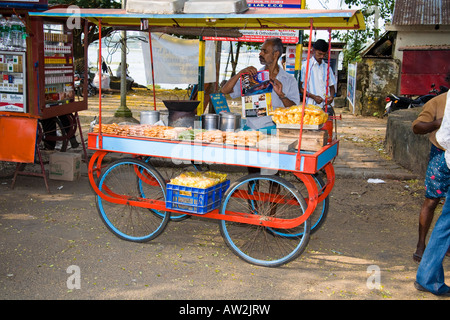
[285, 88]
[316, 92]
[430, 274]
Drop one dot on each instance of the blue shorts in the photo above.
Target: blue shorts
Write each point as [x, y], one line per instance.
[437, 179]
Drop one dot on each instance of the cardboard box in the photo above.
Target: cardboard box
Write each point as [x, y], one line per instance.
[65, 166]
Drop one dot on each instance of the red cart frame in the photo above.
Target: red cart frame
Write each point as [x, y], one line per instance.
[302, 164]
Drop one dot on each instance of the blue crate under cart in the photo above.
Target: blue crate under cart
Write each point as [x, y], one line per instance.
[195, 200]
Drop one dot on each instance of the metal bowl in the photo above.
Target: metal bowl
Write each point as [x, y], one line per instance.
[181, 105]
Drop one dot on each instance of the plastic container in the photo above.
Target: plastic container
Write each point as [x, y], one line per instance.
[195, 200]
[15, 33]
[3, 32]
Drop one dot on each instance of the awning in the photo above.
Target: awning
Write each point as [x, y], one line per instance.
[251, 19]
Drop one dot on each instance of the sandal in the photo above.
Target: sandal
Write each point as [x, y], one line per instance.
[417, 258]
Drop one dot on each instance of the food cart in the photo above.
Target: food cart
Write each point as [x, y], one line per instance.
[37, 98]
[263, 218]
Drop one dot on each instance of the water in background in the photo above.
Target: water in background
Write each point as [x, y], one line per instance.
[112, 55]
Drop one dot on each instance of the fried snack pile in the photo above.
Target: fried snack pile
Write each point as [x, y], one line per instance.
[314, 115]
[216, 136]
[243, 138]
[134, 130]
[200, 180]
[240, 138]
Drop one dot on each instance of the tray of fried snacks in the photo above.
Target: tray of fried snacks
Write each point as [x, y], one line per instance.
[174, 133]
[196, 192]
[189, 134]
[137, 130]
[112, 128]
[244, 138]
[213, 136]
[290, 118]
[199, 179]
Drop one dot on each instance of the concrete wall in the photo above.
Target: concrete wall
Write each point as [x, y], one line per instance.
[406, 148]
[375, 79]
[409, 37]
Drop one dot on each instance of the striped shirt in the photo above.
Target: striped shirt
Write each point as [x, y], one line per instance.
[317, 79]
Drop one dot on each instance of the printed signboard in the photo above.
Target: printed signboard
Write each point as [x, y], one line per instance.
[286, 4]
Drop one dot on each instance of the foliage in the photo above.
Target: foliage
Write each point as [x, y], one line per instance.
[93, 32]
[357, 39]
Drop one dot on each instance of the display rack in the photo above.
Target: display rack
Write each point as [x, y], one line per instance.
[37, 82]
[13, 79]
[58, 65]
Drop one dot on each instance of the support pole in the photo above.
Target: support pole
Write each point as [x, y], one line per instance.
[298, 58]
[153, 72]
[123, 110]
[298, 157]
[100, 137]
[201, 76]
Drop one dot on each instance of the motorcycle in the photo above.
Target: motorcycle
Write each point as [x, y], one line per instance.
[79, 82]
[394, 102]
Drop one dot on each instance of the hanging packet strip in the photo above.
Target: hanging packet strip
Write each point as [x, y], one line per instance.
[257, 84]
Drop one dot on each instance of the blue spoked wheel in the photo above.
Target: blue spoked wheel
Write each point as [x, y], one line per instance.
[129, 222]
[319, 215]
[270, 196]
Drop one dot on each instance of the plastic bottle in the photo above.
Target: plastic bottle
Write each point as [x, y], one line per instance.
[3, 33]
[23, 40]
[15, 33]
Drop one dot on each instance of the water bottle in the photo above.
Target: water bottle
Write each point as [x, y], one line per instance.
[15, 32]
[24, 37]
[3, 33]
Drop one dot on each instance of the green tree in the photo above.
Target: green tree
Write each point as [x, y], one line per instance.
[93, 34]
[357, 39]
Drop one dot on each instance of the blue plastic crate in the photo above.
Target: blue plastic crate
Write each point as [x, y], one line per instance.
[195, 200]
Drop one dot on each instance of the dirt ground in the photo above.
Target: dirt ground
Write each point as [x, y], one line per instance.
[370, 234]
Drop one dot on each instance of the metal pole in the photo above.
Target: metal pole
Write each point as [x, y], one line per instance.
[298, 58]
[153, 73]
[201, 76]
[100, 137]
[123, 110]
[298, 157]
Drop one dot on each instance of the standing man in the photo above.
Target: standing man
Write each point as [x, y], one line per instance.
[428, 122]
[430, 274]
[285, 90]
[316, 92]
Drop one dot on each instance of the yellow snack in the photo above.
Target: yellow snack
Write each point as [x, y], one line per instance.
[313, 115]
[200, 180]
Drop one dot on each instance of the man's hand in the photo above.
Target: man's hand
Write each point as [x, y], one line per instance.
[427, 127]
[277, 87]
[317, 99]
[228, 86]
[252, 70]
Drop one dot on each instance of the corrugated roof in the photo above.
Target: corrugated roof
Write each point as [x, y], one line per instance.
[421, 12]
